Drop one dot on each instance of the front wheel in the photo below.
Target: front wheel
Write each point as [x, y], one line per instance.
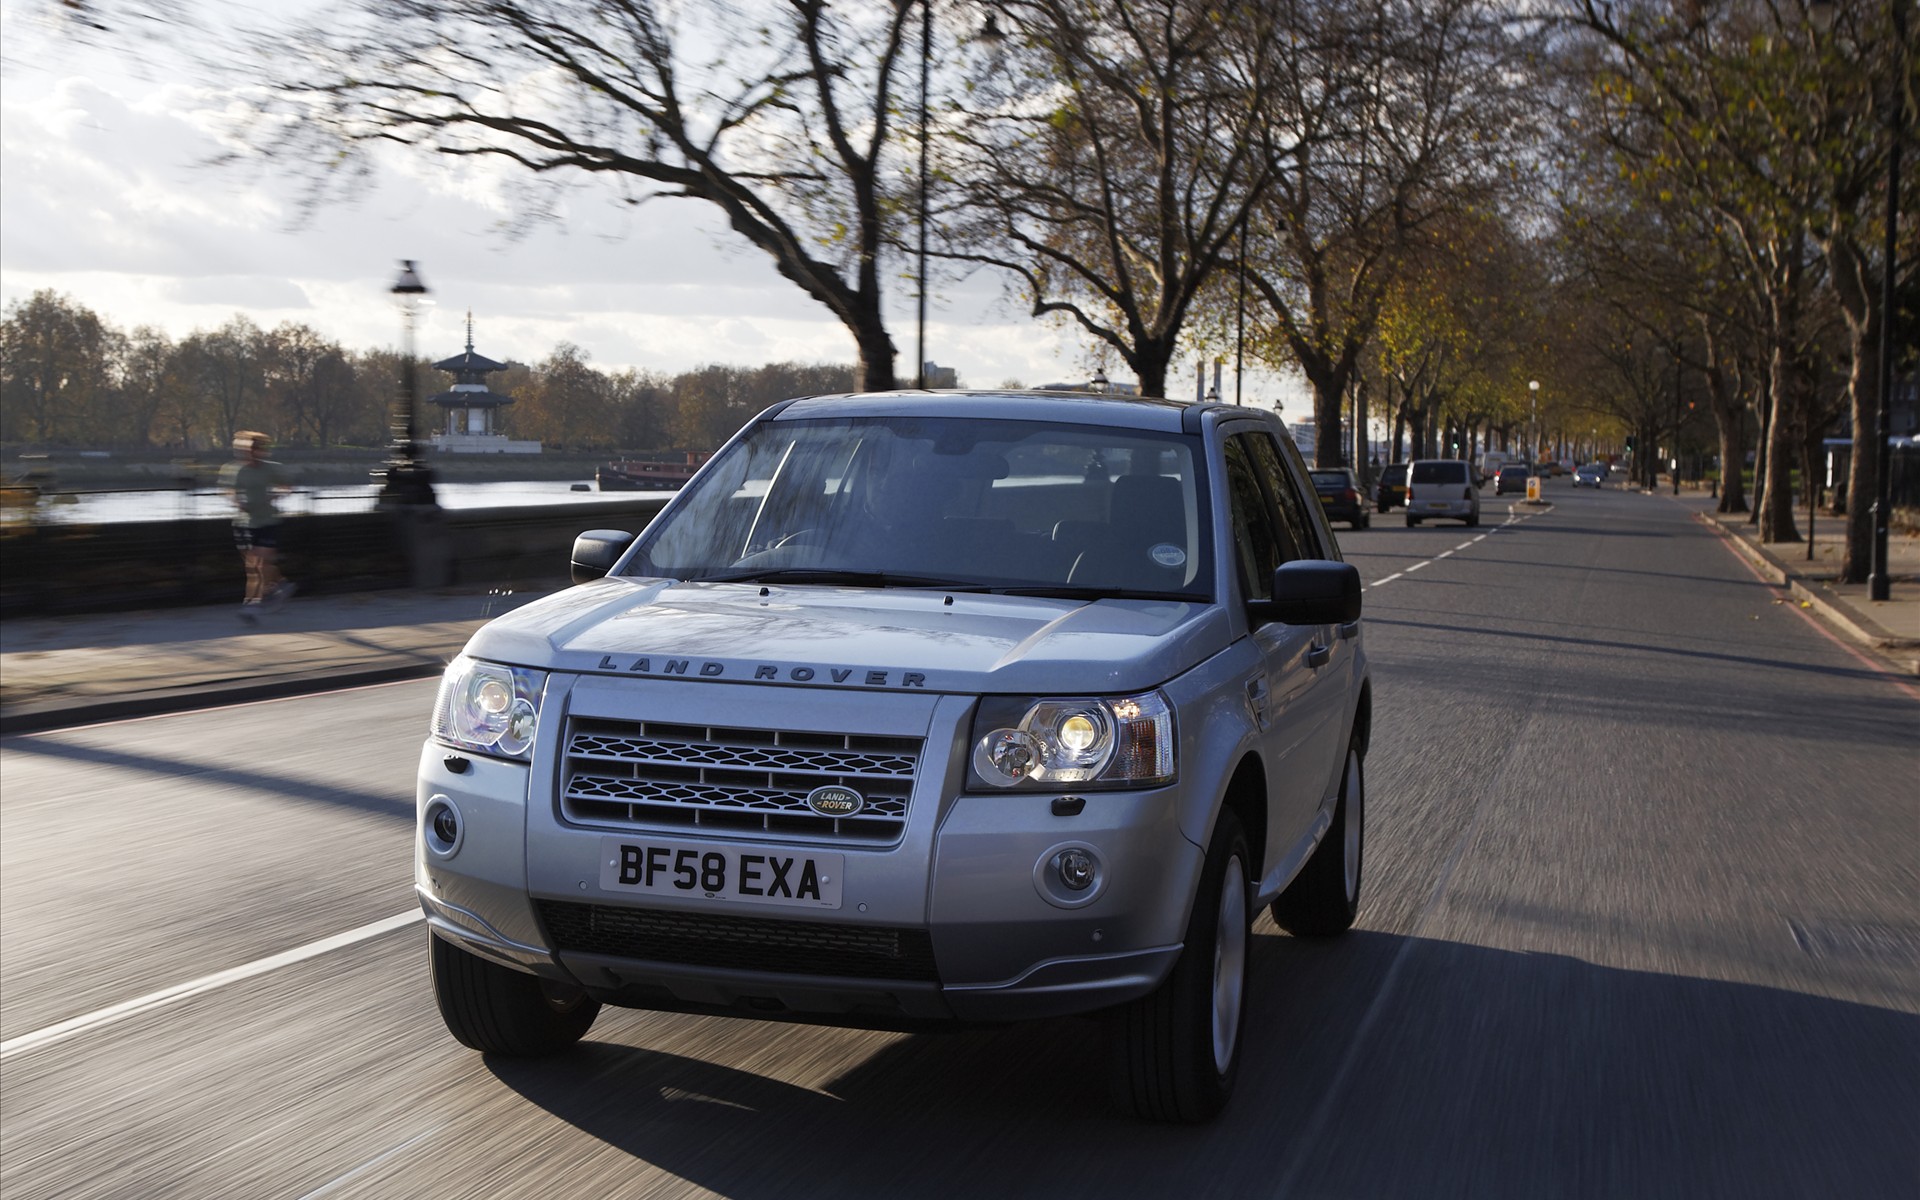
[1324, 897]
[1176, 1050]
[1473, 521]
[497, 1010]
[1413, 522]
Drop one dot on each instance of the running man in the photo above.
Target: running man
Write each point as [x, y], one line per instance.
[252, 481]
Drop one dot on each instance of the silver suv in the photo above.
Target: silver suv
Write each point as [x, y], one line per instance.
[912, 710]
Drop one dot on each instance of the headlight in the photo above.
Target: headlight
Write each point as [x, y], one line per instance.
[1091, 743]
[489, 709]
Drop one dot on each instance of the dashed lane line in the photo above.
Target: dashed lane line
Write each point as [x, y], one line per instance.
[1512, 519]
[75, 1026]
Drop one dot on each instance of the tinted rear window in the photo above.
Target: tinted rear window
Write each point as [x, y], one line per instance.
[1439, 472]
[1330, 478]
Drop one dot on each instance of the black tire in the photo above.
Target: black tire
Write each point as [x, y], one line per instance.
[497, 1010]
[1363, 520]
[1167, 1053]
[1413, 522]
[1324, 897]
[1383, 508]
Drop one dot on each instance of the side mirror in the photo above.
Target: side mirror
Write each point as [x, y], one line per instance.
[1313, 592]
[595, 552]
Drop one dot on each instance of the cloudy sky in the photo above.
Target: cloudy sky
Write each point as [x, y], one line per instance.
[107, 198]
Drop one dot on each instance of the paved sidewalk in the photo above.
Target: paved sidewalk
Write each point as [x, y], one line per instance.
[62, 671]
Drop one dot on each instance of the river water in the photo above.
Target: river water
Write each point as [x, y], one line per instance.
[106, 508]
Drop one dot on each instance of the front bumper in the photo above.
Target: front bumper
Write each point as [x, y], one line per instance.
[958, 921]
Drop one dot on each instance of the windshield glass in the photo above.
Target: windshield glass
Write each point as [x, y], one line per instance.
[1330, 478]
[1439, 472]
[943, 502]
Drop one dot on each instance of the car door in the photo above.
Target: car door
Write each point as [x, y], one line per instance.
[1304, 526]
[1286, 695]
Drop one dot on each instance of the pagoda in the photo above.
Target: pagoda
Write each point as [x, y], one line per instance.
[471, 404]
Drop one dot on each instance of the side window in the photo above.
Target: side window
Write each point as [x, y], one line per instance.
[1256, 549]
[1298, 528]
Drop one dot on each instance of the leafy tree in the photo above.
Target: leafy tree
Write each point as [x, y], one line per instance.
[54, 368]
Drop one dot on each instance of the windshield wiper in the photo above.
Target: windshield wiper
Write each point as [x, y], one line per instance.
[1069, 592]
[830, 577]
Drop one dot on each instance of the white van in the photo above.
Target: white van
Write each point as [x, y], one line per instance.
[1441, 487]
[1490, 464]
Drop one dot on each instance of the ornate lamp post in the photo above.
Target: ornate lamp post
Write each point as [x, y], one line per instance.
[406, 480]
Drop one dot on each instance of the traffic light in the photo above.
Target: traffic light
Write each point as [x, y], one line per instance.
[1629, 443]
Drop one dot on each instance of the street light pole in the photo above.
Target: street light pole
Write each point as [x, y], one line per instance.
[926, 60]
[1878, 583]
[1533, 423]
[407, 481]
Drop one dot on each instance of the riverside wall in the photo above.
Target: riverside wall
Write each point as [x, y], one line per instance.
[51, 569]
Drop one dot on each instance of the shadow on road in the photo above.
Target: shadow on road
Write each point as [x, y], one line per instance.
[1482, 1073]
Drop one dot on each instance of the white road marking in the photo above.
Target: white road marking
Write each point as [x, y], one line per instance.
[1465, 545]
[1443, 554]
[75, 1026]
[1388, 579]
[1418, 565]
[368, 1165]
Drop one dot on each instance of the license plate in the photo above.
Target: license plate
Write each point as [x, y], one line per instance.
[1436, 504]
[718, 871]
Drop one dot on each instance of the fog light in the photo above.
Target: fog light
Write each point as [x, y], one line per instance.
[441, 827]
[1076, 869]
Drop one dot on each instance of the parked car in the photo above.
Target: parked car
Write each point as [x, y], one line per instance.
[1441, 487]
[886, 719]
[1340, 495]
[1591, 475]
[1392, 490]
[1511, 479]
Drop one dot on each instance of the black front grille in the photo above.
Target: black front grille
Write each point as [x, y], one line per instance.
[742, 943]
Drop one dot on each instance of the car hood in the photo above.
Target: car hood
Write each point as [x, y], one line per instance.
[866, 638]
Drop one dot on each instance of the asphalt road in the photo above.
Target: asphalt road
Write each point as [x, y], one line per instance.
[1640, 920]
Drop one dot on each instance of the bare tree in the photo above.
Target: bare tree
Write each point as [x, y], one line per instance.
[1410, 111]
[1110, 160]
[784, 118]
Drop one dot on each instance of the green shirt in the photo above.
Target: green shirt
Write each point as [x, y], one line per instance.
[253, 485]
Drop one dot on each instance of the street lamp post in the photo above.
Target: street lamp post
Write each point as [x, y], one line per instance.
[1878, 583]
[1533, 423]
[406, 480]
[926, 61]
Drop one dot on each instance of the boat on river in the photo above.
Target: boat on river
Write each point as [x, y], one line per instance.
[650, 474]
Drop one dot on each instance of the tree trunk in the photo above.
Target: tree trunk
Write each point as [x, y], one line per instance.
[876, 350]
[1776, 502]
[1864, 322]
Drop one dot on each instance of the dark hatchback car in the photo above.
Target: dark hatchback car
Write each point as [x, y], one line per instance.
[1392, 490]
[1340, 495]
[1511, 479]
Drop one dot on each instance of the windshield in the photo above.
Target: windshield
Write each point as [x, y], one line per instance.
[1330, 478]
[1439, 472]
[957, 503]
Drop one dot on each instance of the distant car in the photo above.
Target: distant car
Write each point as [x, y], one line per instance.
[1591, 475]
[1340, 496]
[1556, 469]
[1511, 479]
[1441, 487]
[1392, 492]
